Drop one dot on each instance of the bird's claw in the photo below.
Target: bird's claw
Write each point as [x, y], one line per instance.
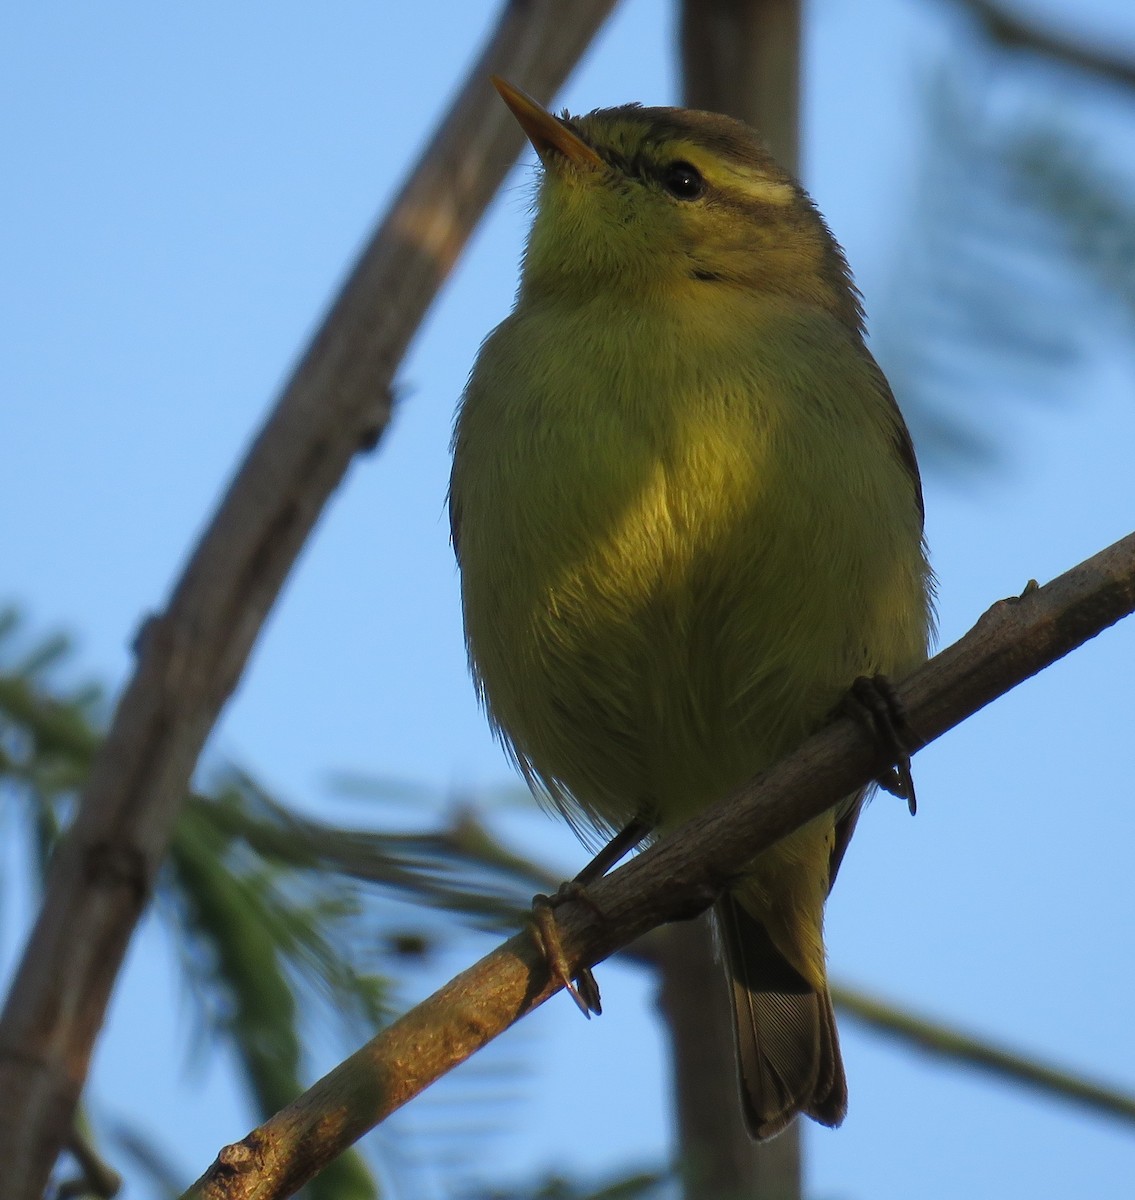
[583, 989]
[874, 702]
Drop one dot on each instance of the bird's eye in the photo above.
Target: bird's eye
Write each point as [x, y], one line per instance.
[682, 180]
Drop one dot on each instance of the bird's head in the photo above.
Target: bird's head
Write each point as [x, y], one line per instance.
[670, 201]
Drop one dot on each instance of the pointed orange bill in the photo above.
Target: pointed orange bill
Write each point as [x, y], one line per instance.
[545, 131]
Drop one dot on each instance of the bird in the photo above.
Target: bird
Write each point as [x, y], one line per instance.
[687, 517]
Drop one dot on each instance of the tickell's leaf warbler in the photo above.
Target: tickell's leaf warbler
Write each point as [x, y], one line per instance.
[688, 517]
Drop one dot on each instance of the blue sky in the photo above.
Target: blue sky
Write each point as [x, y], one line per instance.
[183, 190]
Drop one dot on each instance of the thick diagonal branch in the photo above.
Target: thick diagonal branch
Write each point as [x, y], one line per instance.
[192, 655]
[1014, 640]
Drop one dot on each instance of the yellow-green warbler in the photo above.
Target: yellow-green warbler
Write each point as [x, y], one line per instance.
[688, 516]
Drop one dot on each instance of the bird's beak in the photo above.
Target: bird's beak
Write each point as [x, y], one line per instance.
[545, 131]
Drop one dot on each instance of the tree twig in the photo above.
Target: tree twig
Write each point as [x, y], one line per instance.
[679, 875]
[951, 1044]
[191, 657]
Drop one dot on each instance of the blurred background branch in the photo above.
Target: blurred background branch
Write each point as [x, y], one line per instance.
[933, 1037]
[1013, 31]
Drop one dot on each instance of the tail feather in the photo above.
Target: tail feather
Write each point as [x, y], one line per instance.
[787, 1046]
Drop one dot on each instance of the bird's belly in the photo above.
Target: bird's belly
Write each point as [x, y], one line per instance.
[686, 619]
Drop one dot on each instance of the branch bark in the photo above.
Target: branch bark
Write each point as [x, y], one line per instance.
[674, 878]
[190, 658]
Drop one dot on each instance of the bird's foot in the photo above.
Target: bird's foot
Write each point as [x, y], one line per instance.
[874, 703]
[583, 989]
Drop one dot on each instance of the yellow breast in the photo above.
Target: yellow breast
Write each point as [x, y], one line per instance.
[672, 568]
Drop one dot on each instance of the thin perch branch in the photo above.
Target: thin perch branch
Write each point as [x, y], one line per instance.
[191, 657]
[676, 877]
[478, 844]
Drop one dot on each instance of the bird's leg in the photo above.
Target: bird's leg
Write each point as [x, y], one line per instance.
[621, 844]
[875, 704]
[583, 990]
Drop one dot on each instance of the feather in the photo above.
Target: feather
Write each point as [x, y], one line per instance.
[787, 1047]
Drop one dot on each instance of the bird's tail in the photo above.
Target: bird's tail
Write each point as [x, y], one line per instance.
[787, 1047]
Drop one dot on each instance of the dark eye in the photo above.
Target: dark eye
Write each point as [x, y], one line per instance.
[682, 180]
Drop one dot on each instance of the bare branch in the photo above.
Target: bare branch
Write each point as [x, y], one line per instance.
[191, 657]
[675, 878]
[936, 1038]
